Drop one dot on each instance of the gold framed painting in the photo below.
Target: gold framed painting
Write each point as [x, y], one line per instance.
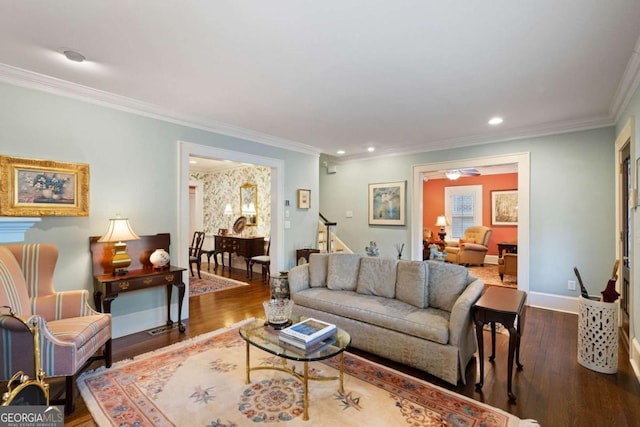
[30, 187]
[387, 203]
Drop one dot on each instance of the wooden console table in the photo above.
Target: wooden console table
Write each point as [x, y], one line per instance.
[305, 253]
[503, 306]
[141, 274]
[246, 247]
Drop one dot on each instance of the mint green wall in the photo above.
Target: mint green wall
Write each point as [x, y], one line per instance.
[133, 172]
[571, 199]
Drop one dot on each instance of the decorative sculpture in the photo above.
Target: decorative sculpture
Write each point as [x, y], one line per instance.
[435, 254]
[372, 249]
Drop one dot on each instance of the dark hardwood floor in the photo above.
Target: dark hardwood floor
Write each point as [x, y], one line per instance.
[552, 388]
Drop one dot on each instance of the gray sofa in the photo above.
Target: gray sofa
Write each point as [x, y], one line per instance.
[413, 312]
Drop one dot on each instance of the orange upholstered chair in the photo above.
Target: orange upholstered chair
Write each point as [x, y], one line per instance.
[71, 332]
[471, 248]
[508, 264]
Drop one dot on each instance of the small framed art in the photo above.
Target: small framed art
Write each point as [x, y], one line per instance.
[304, 199]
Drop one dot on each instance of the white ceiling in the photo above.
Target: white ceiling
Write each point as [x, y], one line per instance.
[318, 76]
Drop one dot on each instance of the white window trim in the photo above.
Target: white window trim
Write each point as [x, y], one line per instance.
[449, 192]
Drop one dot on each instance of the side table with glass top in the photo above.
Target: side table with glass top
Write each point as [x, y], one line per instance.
[265, 337]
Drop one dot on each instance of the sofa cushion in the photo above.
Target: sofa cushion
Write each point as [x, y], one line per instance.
[377, 276]
[342, 271]
[412, 284]
[318, 270]
[446, 284]
[430, 323]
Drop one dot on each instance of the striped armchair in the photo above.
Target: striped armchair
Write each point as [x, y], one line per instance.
[71, 332]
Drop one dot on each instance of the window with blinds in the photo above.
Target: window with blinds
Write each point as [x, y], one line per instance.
[463, 208]
[462, 213]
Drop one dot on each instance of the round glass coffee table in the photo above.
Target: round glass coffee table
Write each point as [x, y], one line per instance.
[265, 337]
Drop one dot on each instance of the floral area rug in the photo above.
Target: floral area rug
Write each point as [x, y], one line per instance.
[201, 382]
[489, 275]
[211, 283]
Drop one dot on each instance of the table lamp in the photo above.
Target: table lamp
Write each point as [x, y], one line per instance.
[442, 223]
[228, 212]
[118, 231]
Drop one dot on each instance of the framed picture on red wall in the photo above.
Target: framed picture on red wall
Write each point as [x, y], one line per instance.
[504, 207]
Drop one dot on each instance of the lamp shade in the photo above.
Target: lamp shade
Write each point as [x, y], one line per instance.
[442, 221]
[119, 230]
[228, 210]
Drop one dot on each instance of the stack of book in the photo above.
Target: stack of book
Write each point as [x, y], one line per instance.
[309, 334]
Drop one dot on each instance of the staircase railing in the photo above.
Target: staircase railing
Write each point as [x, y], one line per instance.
[328, 227]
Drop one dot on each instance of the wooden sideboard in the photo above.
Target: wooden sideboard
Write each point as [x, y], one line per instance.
[141, 274]
[246, 247]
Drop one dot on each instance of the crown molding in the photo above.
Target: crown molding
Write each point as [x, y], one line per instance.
[628, 84]
[32, 80]
[544, 129]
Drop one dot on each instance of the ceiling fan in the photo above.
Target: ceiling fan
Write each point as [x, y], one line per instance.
[453, 174]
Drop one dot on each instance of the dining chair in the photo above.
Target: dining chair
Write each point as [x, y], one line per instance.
[264, 261]
[195, 252]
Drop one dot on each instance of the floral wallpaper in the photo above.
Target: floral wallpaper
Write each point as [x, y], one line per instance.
[220, 188]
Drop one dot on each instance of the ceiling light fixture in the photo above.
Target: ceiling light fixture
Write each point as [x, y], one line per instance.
[452, 175]
[340, 151]
[74, 56]
[371, 149]
[495, 121]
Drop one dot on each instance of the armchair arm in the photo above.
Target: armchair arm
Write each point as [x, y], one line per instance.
[16, 344]
[298, 278]
[451, 243]
[473, 247]
[61, 305]
[460, 319]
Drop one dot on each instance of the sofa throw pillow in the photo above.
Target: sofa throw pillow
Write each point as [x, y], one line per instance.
[318, 270]
[377, 276]
[412, 284]
[342, 271]
[446, 284]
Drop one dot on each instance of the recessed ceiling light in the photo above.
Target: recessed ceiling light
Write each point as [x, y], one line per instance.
[193, 162]
[495, 121]
[371, 149]
[340, 151]
[74, 56]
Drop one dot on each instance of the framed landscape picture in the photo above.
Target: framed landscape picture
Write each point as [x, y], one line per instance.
[31, 187]
[387, 203]
[504, 207]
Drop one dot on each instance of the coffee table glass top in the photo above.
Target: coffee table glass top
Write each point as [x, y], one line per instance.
[266, 338]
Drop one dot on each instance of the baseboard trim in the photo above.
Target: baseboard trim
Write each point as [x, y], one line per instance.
[634, 357]
[131, 323]
[553, 302]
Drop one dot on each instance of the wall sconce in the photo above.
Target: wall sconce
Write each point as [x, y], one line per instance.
[442, 222]
[118, 231]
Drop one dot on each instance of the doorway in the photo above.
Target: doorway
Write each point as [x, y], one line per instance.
[626, 202]
[522, 162]
[187, 149]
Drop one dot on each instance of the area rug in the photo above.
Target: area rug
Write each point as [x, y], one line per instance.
[201, 382]
[490, 276]
[211, 283]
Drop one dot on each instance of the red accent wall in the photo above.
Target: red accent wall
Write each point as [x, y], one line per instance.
[433, 199]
